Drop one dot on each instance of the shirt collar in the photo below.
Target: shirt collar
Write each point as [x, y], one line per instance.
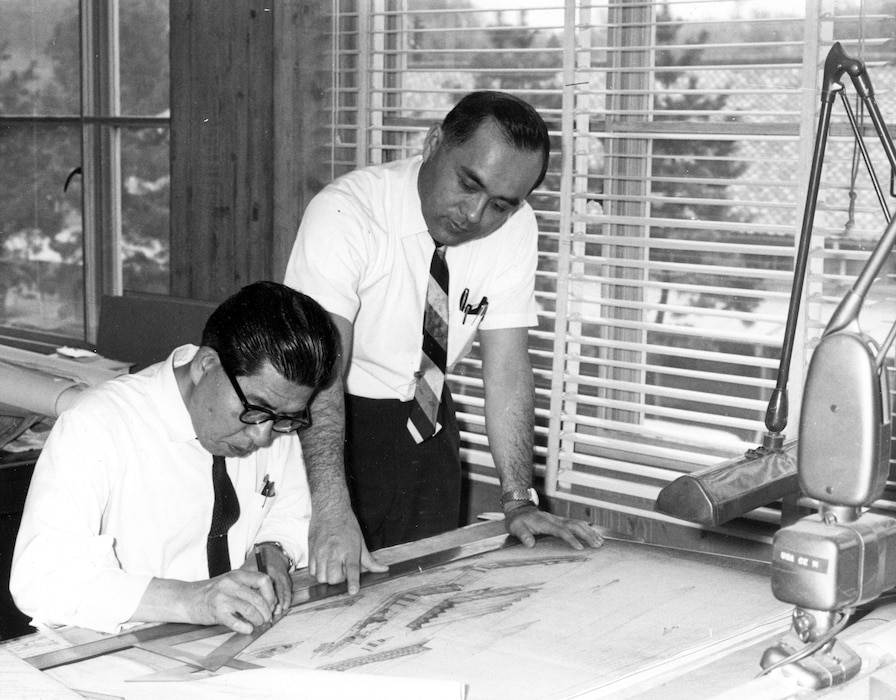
[412, 211]
[173, 410]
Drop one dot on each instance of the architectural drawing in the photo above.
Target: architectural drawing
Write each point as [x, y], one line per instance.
[357, 661]
[607, 612]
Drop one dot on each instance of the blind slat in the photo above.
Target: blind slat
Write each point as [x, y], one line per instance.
[669, 245]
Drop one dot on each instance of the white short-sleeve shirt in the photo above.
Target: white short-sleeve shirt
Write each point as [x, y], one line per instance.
[363, 252]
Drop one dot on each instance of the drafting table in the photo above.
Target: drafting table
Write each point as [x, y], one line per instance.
[626, 620]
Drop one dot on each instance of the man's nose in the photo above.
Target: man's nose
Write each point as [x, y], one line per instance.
[475, 207]
[262, 434]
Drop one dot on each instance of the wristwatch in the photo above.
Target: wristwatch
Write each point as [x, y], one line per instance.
[272, 543]
[528, 495]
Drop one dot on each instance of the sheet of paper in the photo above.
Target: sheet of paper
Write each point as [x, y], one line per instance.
[278, 683]
[548, 623]
[543, 623]
[88, 373]
[122, 675]
[20, 680]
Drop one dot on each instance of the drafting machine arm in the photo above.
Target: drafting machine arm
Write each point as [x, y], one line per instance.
[828, 563]
[836, 64]
[719, 493]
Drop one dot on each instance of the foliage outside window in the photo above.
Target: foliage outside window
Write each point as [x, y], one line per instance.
[84, 146]
[670, 214]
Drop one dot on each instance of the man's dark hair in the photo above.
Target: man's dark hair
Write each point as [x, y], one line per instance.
[268, 321]
[522, 126]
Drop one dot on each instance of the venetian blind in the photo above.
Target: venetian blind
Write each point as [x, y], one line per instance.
[682, 141]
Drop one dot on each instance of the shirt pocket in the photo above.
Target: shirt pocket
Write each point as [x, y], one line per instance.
[260, 503]
[461, 336]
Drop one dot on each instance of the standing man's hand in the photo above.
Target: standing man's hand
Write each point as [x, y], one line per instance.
[527, 521]
[337, 551]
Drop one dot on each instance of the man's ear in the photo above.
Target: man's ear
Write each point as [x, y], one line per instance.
[432, 141]
[203, 361]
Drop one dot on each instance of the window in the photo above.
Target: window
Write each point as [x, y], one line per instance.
[84, 145]
[670, 216]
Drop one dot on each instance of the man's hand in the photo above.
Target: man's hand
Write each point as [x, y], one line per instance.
[524, 522]
[241, 600]
[275, 564]
[337, 551]
[336, 547]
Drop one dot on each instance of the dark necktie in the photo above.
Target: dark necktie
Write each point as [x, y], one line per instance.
[431, 376]
[225, 513]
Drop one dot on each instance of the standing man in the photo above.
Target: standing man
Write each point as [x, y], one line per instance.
[372, 248]
[152, 486]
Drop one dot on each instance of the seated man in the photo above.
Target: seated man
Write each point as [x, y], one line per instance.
[124, 521]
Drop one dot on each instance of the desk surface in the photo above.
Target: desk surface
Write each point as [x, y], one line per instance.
[545, 623]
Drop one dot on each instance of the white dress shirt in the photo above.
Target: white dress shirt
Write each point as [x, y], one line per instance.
[363, 252]
[122, 492]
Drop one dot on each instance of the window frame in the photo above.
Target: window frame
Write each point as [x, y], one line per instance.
[101, 124]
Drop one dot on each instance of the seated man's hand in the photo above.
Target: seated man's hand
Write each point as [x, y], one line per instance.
[525, 522]
[337, 551]
[241, 600]
[276, 565]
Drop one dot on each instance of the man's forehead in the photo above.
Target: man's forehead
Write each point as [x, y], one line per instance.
[504, 171]
[268, 386]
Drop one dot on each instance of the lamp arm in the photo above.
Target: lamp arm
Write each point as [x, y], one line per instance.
[836, 65]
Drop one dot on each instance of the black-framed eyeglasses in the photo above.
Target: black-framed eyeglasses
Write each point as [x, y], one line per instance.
[254, 415]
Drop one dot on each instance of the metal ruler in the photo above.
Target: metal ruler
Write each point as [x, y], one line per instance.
[179, 633]
[182, 632]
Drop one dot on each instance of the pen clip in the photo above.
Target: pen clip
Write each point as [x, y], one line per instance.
[478, 310]
[268, 490]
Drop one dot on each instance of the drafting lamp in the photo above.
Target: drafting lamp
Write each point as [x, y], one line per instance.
[717, 494]
[828, 563]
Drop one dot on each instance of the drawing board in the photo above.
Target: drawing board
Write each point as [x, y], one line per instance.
[544, 623]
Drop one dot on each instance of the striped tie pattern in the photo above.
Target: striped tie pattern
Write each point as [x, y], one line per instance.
[225, 513]
[431, 376]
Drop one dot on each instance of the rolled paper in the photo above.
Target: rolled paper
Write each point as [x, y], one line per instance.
[36, 391]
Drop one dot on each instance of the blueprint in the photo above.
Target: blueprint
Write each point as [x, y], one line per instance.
[548, 622]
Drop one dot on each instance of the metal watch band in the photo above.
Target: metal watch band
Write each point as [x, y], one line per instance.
[274, 543]
[519, 495]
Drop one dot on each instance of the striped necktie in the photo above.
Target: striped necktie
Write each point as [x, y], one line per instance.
[225, 513]
[423, 418]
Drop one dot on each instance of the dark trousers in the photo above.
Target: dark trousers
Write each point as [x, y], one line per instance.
[401, 491]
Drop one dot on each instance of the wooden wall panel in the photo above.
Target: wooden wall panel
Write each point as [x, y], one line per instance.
[221, 145]
[302, 77]
[250, 112]
[256, 208]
